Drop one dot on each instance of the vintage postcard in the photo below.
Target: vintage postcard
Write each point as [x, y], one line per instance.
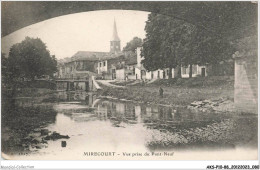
[129, 80]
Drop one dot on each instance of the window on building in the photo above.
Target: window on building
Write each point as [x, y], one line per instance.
[100, 64]
[184, 70]
[194, 69]
[167, 72]
[104, 63]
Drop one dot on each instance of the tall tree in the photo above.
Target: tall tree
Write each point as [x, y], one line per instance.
[133, 44]
[172, 43]
[30, 59]
[164, 44]
[4, 73]
[151, 46]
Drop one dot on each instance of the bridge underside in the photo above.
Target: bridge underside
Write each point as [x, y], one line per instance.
[87, 85]
[228, 18]
[73, 85]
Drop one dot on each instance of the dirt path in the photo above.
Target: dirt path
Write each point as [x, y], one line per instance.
[95, 83]
[151, 81]
[107, 83]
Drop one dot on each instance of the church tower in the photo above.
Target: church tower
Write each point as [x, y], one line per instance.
[115, 41]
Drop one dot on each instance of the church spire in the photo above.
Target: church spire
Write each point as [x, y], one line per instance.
[115, 35]
[115, 41]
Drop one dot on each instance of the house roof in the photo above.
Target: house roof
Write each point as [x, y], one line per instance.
[89, 55]
[83, 73]
[112, 56]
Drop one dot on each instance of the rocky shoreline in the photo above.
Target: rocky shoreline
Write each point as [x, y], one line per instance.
[217, 105]
[218, 132]
[135, 101]
[35, 140]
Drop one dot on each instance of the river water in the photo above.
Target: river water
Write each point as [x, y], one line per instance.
[98, 125]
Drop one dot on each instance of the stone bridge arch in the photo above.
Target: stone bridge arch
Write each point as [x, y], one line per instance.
[16, 15]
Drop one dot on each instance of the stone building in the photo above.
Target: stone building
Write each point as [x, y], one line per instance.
[125, 66]
[88, 63]
[79, 63]
[141, 73]
[116, 64]
[246, 76]
[131, 64]
[107, 67]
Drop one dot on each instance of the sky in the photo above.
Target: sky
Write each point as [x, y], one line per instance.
[87, 31]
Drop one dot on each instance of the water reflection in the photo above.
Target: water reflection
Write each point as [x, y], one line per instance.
[77, 96]
[107, 125]
[76, 104]
[151, 127]
[157, 117]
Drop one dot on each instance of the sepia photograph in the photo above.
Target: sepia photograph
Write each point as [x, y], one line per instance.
[122, 80]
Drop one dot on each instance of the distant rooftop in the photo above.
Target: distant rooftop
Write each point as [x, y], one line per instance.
[90, 56]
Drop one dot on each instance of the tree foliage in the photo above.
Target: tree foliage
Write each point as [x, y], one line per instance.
[172, 43]
[133, 44]
[4, 68]
[30, 59]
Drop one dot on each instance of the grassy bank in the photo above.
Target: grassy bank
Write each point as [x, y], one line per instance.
[22, 114]
[177, 92]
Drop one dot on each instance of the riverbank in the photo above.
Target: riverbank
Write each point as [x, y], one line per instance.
[31, 128]
[179, 93]
[19, 126]
[24, 118]
[211, 95]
